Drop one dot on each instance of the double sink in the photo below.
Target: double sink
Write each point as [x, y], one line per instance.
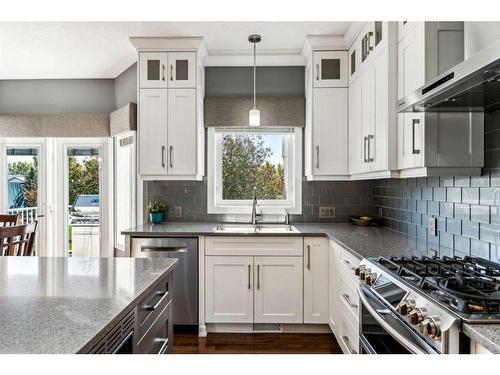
[255, 229]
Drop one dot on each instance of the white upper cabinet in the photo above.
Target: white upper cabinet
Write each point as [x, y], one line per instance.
[316, 287]
[330, 138]
[330, 69]
[153, 70]
[181, 69]
[153, 131]
[171, 130]
[182, 151]
[432, 144]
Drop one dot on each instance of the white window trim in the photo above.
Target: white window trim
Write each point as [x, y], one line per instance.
[292, 205]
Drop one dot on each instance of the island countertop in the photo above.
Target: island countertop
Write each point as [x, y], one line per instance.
[63, 305]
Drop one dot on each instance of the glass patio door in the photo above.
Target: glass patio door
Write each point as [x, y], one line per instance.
[24, 187]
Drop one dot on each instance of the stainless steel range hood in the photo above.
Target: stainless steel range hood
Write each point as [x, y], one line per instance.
[471, 86]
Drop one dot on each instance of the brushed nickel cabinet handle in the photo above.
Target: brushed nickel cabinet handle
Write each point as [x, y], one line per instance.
[414, 124]
[163, 72]
[347, 343]
[308, 257]
[348, 301]
[164, 347]
[171, 163]
[317, 156]
[249, 268]
[171, 72]
[163, 156]
[365, 140]
[258, 276]
[370, 159]
[317, 72]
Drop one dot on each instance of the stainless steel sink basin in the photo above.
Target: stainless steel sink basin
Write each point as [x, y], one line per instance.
[259, 228]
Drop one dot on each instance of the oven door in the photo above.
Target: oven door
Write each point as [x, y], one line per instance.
[381, 331]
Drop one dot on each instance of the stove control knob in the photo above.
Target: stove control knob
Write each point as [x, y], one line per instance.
[370, 279]
[364, 273]
[358, 270]
[430, 327]
[405, 306]
[417, 315]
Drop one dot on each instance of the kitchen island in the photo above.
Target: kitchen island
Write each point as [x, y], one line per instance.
[62, 305]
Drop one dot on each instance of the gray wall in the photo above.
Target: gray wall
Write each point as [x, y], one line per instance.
[126, 87]
[270, 81]
[57, 96]
[467, 208]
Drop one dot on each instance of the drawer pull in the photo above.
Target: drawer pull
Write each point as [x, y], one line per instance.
[151, 307]
[348, 264]
[308, 257]
[347, 343]
[348, 301]
[164, 347]
[249, 271]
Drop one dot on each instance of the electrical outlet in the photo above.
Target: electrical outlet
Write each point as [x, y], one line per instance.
[327, 212]
[178, 211]
[432, 226]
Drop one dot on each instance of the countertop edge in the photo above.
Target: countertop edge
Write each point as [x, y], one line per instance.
[480, 338]
[94, 340]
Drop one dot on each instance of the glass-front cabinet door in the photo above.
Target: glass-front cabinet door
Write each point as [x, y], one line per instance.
[153, 70]
[182, 69]
[330, 69]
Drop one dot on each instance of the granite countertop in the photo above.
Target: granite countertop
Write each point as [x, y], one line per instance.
[61, 305]
[487, 335]
[363, 242]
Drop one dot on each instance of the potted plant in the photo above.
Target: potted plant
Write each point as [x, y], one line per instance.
[156, 211]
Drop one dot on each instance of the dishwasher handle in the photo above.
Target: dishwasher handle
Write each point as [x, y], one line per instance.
[170, 249]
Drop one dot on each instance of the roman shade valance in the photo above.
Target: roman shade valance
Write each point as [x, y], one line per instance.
[284, 111]
[54, 125]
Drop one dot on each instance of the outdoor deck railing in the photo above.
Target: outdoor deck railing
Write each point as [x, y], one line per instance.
[26, 214]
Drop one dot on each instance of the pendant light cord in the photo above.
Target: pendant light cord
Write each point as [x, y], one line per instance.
[254, 69]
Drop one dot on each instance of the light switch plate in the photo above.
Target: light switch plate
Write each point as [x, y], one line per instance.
[432, 226]
[327, 212]
[178, 211]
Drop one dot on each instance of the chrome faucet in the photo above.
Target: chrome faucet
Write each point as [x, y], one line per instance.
[255, 215]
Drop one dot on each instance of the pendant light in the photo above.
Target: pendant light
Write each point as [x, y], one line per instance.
[254, 114]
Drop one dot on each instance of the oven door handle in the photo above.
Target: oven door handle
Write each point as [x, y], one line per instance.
[384, 317]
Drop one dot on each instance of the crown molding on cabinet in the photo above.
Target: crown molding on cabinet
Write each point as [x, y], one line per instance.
[170, 43]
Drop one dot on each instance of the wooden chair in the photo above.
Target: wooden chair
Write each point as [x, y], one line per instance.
[8, 220]
[18, 240]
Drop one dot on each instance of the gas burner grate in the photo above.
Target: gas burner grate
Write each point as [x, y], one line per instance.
[470, 285]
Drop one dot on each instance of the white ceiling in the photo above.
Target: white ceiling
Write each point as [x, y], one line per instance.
[62, 50]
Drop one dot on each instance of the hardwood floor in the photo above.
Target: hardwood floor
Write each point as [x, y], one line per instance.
[186, 342]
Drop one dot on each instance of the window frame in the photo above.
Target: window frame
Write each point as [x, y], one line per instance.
[293, 175]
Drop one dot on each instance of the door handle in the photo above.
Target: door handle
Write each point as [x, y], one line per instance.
[317, 72]
[249, 268]
[171, 249]
[171, 72]
[308, 257]
[365, 159]
[370, 159]
[170, 156]
[258, 276]
[163, 156]
[348, 301]
[317, 156]
[163, 72]
[414, 124]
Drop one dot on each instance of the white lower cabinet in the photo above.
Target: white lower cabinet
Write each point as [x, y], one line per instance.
[229, 289]
[316, 282]
[278, 290]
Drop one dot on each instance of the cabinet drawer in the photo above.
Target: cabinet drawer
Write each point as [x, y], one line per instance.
[158, 338]
[348, 337]
[252, 245]
[348, 263]
[152, 305]
[349, 299]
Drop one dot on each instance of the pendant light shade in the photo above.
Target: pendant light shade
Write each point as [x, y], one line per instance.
[254, 114]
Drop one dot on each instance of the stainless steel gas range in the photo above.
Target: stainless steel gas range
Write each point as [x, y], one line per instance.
[418, 305]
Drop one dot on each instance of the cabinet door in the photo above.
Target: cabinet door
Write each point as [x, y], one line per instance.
[153, 131]
[316, 289]
[330, 68]
[278, 290]
[410, 140]
[182, 69]
[228, 289]
[182, 150]
[152, 70]
[356, 151]
[411, 61]
[378, 137]
[367, 115]
[330, 138]
[404, 27]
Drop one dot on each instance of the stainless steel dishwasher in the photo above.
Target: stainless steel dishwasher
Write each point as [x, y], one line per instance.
[185, 274]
